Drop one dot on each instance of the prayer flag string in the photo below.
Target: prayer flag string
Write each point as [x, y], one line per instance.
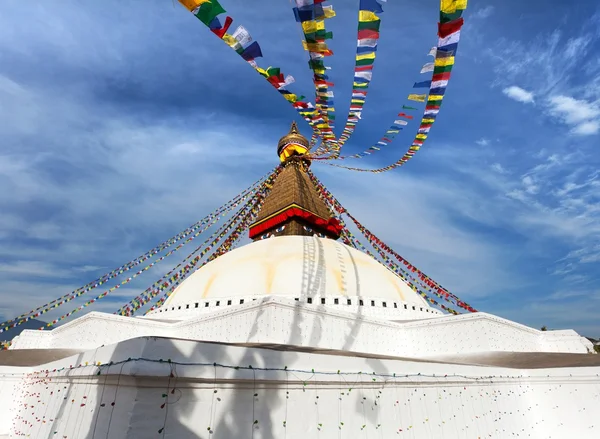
[311, 14]
[207, 11]
[366, 51]
[206, 222]
[449, 28]
[422, 283]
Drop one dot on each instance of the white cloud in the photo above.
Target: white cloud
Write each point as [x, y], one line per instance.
[572, 110]
[483, 12]
[483, 142]
[519, 94]
[587, 128]
[581, 115]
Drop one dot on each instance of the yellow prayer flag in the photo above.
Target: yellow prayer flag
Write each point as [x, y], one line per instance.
[312, 26]
[421, 136]
[443, 62]
[319, 71]
[367, 16]
[356, 101]
[314, 47]
[393, 131]
[427, 120]
[418, 98]
[414, 148]
[435, 97]
[230, 41]
[190, 5]
[328, 11]
[370, 55]
[290, 97]
[451, 6]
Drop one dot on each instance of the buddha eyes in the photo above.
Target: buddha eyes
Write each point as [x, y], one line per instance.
[280, 229]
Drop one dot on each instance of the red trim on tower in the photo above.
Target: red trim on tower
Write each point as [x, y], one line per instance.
[331, 227]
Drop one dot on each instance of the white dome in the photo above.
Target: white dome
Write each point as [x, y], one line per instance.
[295, 267]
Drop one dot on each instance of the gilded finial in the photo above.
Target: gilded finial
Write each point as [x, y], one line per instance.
[292, 144]
[293, 128]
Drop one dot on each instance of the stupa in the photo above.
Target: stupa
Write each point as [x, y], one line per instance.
[297, 335]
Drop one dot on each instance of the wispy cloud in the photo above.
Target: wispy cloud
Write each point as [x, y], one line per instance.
[107, 152]
[519, 94]
[582, 115]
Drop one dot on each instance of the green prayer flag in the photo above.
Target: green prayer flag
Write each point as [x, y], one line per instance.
[208, 11]
[406, 107]
[442, 69]
[365, 62]
[371, 25]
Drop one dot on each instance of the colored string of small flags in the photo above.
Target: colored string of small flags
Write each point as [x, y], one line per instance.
[444, 53]
[247, 215]
[366, 52]
[173, 278]
[194, 230]
[311, 14]
[47, 398]
[422, 285]
[207, 11]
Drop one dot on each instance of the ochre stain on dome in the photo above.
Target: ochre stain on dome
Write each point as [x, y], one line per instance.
[209, 283]
[339, 279]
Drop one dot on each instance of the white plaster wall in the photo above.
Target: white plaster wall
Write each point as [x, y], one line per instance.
[375, 307]
[285, 321]
[297, 403]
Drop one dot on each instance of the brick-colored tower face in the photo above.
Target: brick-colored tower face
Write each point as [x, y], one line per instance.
[293, 207]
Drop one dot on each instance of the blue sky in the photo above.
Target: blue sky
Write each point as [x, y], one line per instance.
[121, 123]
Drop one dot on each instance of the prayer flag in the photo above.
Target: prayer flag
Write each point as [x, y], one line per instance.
[422, 84]
[190, 5]
[207, 11]
[367, 42]
[365, 56]
[452, 6]
[252, 51]
[401, 122]
[369, 25]
[406, 107]
[367, 33]
[367, 16]
[445, 29]
[242, 36]
[328, 11]
[453, 38]
[370, 5]
[408, 116]
[432, 51]
[418, 98]
[443, 62]
[428, 67]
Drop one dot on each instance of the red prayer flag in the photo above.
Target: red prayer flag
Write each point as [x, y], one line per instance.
[441, 76]
[408, 116]
[367, 33]
[445, 29]
[224, 29]
[363, 68]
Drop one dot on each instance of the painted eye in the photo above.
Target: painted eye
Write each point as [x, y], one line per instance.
[308, 229]
[280, 229]
[265, 236]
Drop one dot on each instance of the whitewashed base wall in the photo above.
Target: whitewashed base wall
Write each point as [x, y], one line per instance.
[284, 321]
[208, 401]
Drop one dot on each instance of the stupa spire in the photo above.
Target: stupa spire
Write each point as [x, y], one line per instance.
[293, 206]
